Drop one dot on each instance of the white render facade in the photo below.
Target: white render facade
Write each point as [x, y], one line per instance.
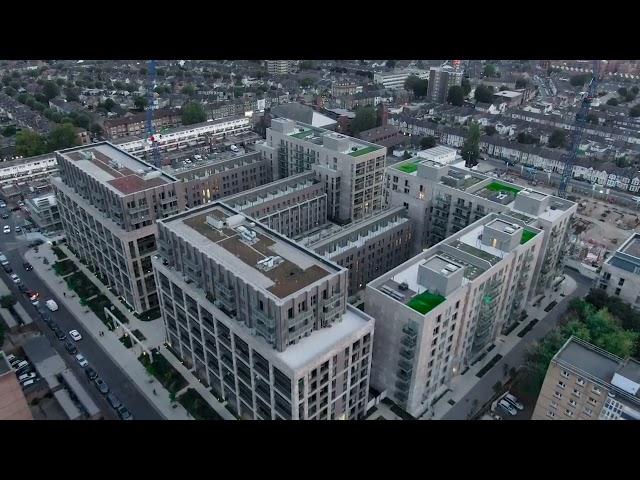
[279, 343]
[444, 307]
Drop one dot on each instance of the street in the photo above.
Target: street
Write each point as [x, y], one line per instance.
[120, 384]
[483, 390]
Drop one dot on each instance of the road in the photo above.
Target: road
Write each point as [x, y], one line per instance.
[576, 186]
[483, 390]
[120, 384]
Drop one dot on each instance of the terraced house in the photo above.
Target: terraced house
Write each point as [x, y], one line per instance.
[109, 202]
[444, 307]
[263, 321]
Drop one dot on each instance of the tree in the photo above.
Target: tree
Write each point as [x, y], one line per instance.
[306, 65]
[558, 138]
[189, 90]
[489, 130]
[391, 64]
[471, 149]
[521, 83]
[12, 92]
[50, 90]
[406, 155]
[193, 113]
[109, 104]
[427, 142]
[364, 120]
[484, 93]
[497, 388]
[578, 80]
[416, 85]
[307, 82]
[635, 89]
[9, 131]
[62, 136]
[96, 129]
[30, 143]
[72, 94]
[614, 102]
[527, 139]
[7, 301]
[140, 102]
[635, 111]
[489, 70]
[466, 86]
[455, 96]
[82, 120]
[592, 118]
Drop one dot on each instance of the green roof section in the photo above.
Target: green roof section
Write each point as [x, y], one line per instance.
[364, 151]
[304, 134]
[501, 187]
[408, 167]
[425, 302]
[526, 236]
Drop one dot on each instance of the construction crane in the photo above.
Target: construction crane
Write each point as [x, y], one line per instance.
[579, 126]
[151, 83]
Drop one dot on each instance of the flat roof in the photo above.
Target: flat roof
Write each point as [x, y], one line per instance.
[316, 135]
[632, 246]
[121, 172]
[298, 269]
[503, 226]
[596, 362]
[325, 340]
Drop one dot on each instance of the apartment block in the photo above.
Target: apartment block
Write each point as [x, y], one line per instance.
[444, 307]
[215, 176]
[352, 169]
[281, 67]
[620, 274]
[27, 169]
[136, 124]
[443, 199]
[263, 321]
[292, 206]
[44, 212]
[367, 248]
[585, 382]
[395, 80]
[440, 80]
[109, 202]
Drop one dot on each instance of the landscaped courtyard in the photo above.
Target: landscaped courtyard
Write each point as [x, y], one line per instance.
[164, 372]
[197, 406]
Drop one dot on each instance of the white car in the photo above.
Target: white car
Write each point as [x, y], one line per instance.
[6, 229]
[51, 305]
[75, 334]
[508, 407]
[15, 278]
[81, 360]
[28, 383]
[26, 376]
[513, 401]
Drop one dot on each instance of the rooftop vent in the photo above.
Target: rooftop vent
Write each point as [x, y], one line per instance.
[403, 286]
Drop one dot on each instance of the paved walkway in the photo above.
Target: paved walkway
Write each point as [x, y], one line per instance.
[124, 357]
[461, 385]
[155, 338]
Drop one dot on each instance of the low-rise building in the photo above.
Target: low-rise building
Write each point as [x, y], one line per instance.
[28, 169]
[585, 382]
[13, 404]
[136, 124]
[396, 79]
[387, 135]
[43, 211]
[620, 275]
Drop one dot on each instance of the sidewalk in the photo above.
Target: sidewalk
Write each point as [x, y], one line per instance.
[462, 384]
[124, 357]
[155, 338]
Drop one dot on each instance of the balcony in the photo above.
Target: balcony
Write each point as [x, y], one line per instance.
[409, 342]
[402, 386]
[407, 354]
[410, 331]
[405, 366]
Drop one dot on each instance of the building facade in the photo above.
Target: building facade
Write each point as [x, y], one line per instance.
[136, 124]
[263, 321]
[620, 274]
[28, 169]
[44, 212]
[440, 80]
[352, 169]
[443, 308]
[109, 202]
[395, 80]
[585, 382]
[281, 67]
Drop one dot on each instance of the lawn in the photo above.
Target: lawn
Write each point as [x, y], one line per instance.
[363, 151]
[501, 187]
[197, 406]
[408, 167]
[65, 267]
[97, 305]
[425, 302]
[526, 236]
[59, 253]
[79, 283]
[164, 372]
[304, 134]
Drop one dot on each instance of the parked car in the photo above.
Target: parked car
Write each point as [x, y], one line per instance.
[81, 360]
[5, 215]
[75, 335]
[114, 401]
[51, 305]
[508, 407]
[11, 359]
[52, 324]
[6, 229]
[124, 413]
[26, 376]
[60, 335]
[26, 369]
[91, 373]
[101, 386]
[71, 347]
[15, 278]
[20, 364]
[27, 266]
[7, 268]
[28, 383]
[18, 229]
[513, 401]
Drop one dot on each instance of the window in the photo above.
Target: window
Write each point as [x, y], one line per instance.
[572, 402]
[561, 384]
[550, 414]
[553, 405]
[577, 392]
[580, 381]
[596, 390]
[568, 413]
[592, 400]
[588, 411]
[557, 394]
[565, 374]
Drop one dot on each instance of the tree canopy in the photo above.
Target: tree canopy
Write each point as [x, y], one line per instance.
[50, 90]
[466, 86]
[391, 64]
[193, 113]
[578, 80]
[416, 85]
[635, 111]
[140, 102]
[62, 136]
[489, 70]
[613, 101]
[484, 93]
[455, 96]
[30, 143]
[189, 90]
[364, 120]
[427, 142]
[471, 147]
[489, 130]
[558, 138]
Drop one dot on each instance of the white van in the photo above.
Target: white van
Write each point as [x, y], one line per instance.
[234, 149]
[51, 305]
[20, 365]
